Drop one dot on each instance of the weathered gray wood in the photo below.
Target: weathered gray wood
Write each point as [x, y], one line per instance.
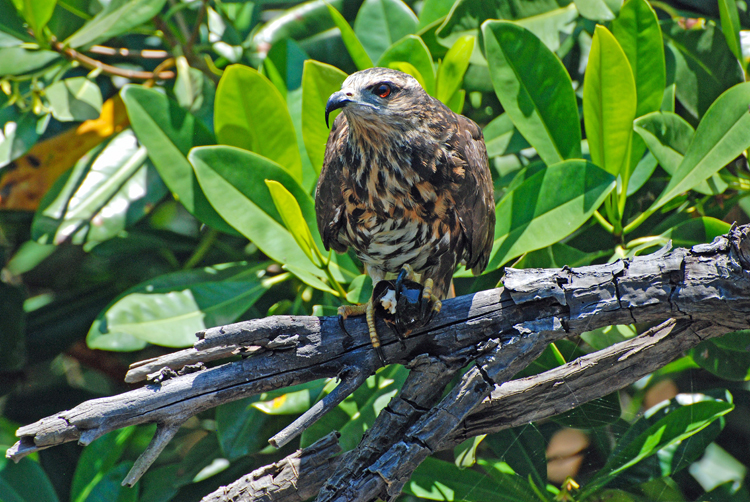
[707, 284]
[538, 397]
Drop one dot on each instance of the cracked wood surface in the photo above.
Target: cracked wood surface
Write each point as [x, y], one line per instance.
[707, 284]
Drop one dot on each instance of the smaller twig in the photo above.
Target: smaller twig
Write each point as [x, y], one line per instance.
[351, 379]
[128, 53]
[196, 29]
[138, 371]
[164, 434]
[93, 64]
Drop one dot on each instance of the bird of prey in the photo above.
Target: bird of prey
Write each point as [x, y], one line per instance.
[406, 184]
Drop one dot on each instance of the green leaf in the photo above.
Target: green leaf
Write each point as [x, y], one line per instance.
[168, 132]
[263, 125]
[502, 138]
[411, 49]
[75, 98]
[37, 13]
[117, 17]
[452, 68]
[97, 459]
[683, 417]
[523, 449]
[357, 52]
[726, 357]
[467, 16]
[704, 65]
[109, 189]
[551, 26]
[25, 481]
[535, 90]
[731, 491]
[432, 10]
[291, 214]
[244, 200]
[722, 135]
[667, 136]
[360, 290]
[241, 428]
[438, 480]
[638, 33]
[380, 23]
[609, 104]
[17, 60]
[556, 256]
[319, 81]
[465, 454]
[730, 25]
[12, 24]
[598, 10]
[169, 309]
[547, 207]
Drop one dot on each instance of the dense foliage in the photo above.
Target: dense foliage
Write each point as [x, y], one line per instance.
[150, 193]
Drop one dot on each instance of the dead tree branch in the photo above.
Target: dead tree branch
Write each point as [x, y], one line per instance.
[703, 290]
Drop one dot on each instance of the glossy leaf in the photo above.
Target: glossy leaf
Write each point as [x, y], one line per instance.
[17, 60]
[547, 207]
[688, 415]
[25, 481]
[667, 136]
[638, 33]
[726, 357]
[598, 10]
[244, 200]
[12, 24]
[291, 215]
[411, 49]
[722, 135]
[168, 132]
[96, 460]
[380, 23]
[522, 448]
[704, 65]
[353, 45]
[451, 71]
[550, 27]
[502, 138]
[465, 454]
[432, 10]
[467, 16]
[438, 480]
[535, 90]
[108, 190]
[319, 81]
[730, 25]
[115, 18]
[263, 125]
[37, 13]
[360, 290]
[169, 309]
[75, 98]
[609, 104]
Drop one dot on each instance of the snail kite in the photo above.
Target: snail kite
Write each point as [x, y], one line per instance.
[405, 183]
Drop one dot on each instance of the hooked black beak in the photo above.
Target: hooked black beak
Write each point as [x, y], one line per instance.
[337, 100]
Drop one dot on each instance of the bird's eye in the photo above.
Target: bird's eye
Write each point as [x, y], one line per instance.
[383, 90]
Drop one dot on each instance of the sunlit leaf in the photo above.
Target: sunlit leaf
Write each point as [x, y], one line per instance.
[353, 45]
[319, 81]
[535, 90]
[411, 49]
[263, 125]
[609, 104]
[380, 23]
[547, 207]
[115, 18]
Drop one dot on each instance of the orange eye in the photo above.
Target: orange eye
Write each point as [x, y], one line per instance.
[383, 90]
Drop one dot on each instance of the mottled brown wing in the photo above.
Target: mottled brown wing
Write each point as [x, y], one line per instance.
[475, 203]
[329, 199]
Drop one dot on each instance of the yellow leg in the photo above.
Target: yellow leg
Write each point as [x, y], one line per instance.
[427, 295]
[369, 310]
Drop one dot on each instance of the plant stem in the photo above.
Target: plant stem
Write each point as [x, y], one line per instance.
[204, 246]
[603, 222]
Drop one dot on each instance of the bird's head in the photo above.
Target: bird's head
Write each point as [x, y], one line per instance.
[376, 95]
